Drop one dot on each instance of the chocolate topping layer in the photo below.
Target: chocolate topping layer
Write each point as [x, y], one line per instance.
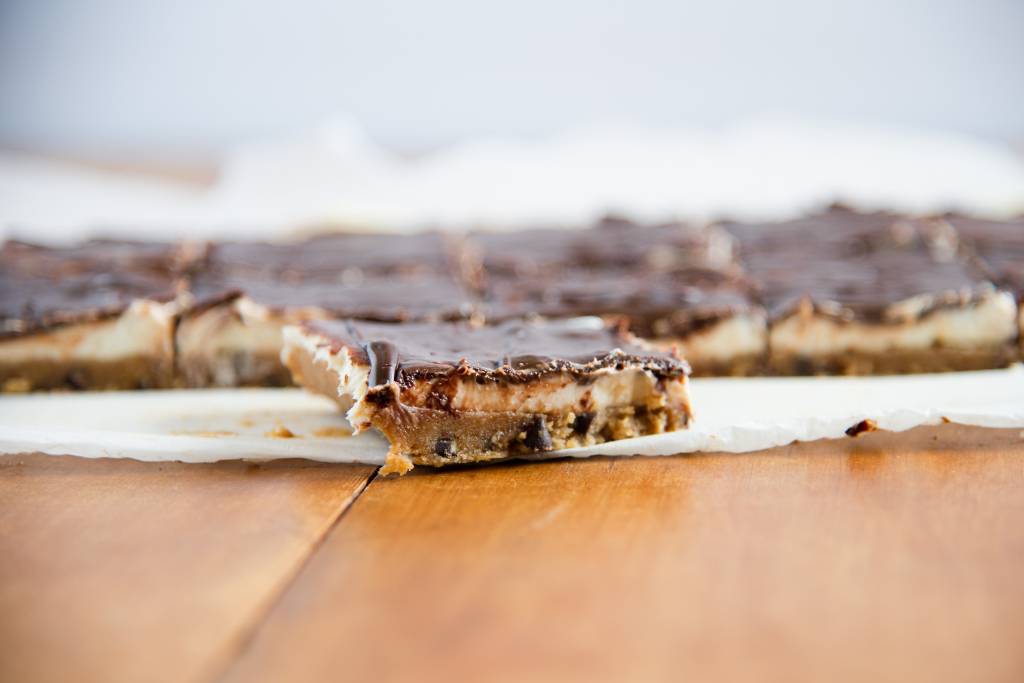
[413, 296]
[374, 277]
[41, 287]
[611, 243]
[514, 351]
[336, 256]
[855, 265]
[653, 304]
[998, 248]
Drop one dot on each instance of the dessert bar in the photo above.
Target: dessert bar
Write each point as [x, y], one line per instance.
[445, 393]
[996, 248]
[855, 293]
[96, 316]
[671, 284]
[245, 293]
[708, 315]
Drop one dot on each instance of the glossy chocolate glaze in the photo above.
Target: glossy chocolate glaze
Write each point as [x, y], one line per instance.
[335, 256]
[41, 287]
[399, 297]
[373, 277]
[996, 248]
[856, 265]
[653, 304]
[612, 243]
[514, 351]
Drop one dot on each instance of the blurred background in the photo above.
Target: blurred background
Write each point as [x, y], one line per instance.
[193, 77]
[196, 86]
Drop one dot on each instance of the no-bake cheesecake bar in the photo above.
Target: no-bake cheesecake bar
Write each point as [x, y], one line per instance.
[671, 284]
[856, 293]
[445, 393]
[245, 293]
[710, 317]
[96, 316]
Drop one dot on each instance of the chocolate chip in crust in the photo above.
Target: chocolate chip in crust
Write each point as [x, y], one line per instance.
[538, 438]
[581, 425]
[444, 448]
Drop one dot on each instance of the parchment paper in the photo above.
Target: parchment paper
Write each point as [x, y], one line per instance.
[733, 415]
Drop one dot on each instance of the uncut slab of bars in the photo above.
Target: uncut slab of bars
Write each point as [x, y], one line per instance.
[836, 292]
[244, 294]
[97, 316]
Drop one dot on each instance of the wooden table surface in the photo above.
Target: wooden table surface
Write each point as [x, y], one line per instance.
[886, 557]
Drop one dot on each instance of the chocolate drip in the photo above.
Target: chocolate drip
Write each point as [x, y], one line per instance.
[383, 362]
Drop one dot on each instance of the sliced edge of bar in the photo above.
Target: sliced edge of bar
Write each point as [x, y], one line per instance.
[448, 393]
[131, 349]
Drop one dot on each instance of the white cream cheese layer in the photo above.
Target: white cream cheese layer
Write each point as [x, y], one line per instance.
[144, 329]
[352, 378]
[241, 325]
[988, 323]
[740, 336]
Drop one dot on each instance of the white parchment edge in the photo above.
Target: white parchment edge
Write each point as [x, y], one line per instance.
[733, 415]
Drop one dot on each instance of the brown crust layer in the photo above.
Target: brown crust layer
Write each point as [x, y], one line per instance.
[136, 372]
[437, 438]
[245, 368]
[892, 362]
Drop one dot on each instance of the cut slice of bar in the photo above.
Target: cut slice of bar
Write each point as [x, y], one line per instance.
[855, 293]
[246, 293]
[96, 316]
[708, 315]
[449, 393]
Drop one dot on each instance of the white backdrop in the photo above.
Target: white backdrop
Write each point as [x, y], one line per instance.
[201, 75]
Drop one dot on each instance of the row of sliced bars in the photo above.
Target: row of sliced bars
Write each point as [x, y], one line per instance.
[839, 292]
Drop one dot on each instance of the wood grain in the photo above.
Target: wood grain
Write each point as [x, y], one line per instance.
[886, 557]
[116, 570]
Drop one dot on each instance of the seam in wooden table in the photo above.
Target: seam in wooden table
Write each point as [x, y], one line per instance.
[245, 640]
